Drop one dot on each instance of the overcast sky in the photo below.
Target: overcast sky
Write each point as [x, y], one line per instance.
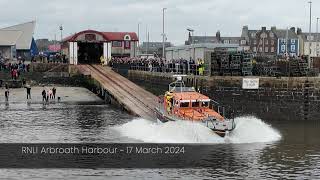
[204, 16]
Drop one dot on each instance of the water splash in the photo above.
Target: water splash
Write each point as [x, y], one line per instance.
[248, 130]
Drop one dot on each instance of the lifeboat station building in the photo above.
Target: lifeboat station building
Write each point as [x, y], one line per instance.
[87, 47]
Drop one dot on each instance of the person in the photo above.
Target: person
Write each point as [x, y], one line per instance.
[23, 82]
[28, 91]
[6, 93]
[102, 60]
[44, 95]
[50, 94]
[54, 91]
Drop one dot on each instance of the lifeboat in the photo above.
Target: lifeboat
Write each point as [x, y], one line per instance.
[181, 103]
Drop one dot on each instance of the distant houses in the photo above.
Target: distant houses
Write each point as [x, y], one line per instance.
[265, 42]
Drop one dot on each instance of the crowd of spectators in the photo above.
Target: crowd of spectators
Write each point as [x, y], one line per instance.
[177, 66]
[15, 68]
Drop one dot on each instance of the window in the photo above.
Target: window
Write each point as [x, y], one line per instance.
[260, 49]
[254, 49]
[293, 41]
[283, 48]
[253, 35]
[243, 42]
[271, 35]
[272, 42]
[255, 42]
[90, 37]
[116, 44]
[184, 104]
[195, 104]
[272, 49]
[293, 48]
[127, 44]
[266, 49]
[226, 42]
[266, 41]
[260, 42]
[127, 37]
[205, 104]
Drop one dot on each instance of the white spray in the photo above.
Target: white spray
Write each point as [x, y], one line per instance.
[248, 130]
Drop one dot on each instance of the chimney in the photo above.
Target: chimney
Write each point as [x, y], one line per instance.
[218, 36]
[245, 31]
[273, 28]
[293, 29]
[299, 31]
[263, 28]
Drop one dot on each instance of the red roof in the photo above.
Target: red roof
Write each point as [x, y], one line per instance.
[119, 36]
[108, 36]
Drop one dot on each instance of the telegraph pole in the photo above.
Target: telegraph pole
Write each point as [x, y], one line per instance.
[163, 34]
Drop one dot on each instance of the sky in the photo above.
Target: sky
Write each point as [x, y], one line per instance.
[206, 17]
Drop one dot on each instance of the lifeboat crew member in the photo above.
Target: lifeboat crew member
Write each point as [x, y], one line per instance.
[169, 100]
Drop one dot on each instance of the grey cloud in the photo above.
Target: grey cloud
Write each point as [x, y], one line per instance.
[205, 16]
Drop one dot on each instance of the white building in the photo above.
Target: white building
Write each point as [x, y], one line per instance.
[197, 51]
[311, 44]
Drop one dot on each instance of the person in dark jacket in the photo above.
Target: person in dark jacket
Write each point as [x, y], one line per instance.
[44, 95]
[6, 93]
[28, 91]
[54, 91]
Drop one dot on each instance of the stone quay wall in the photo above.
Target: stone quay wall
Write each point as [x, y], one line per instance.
[293, 98]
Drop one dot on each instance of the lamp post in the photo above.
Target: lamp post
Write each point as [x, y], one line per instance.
[317, 37]
[191, 31]
[309, 58]
[61, 29]
[163, 34]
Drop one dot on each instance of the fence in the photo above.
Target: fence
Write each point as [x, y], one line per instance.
[190, 69]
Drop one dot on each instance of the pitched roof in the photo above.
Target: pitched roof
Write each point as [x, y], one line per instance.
[204, 39]
[119, 36]
[9, 37]
[316, 36]
[27, 29]
[282, 33]
[110, 36]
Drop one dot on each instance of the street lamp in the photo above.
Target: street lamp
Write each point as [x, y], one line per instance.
[309, 58]
[61, 29]
[191, 31]
[163, 34]
[317, 37]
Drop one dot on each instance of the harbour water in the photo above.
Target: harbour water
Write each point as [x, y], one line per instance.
[257, 149]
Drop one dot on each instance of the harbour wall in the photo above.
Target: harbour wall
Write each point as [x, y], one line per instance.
[293, 98]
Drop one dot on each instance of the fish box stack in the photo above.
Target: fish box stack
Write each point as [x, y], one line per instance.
[247, 64]
[235, 64]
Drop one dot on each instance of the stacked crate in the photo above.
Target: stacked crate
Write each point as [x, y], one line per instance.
[235, 64]
[220, 62]
[247, 64]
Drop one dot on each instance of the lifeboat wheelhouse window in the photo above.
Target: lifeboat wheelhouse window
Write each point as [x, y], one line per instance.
[205, 104]
[195, 104]
[184, 104]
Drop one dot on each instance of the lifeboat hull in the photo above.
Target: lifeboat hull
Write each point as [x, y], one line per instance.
[161, 118]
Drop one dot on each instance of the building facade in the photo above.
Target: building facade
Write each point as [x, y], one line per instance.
[196, 51]
[17, 41]
[273, 42]
[90, 45]
[240, 41]
[154, 48]
[310, 44]
[287, 42]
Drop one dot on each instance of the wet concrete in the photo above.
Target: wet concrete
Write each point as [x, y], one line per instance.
[67, 94]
